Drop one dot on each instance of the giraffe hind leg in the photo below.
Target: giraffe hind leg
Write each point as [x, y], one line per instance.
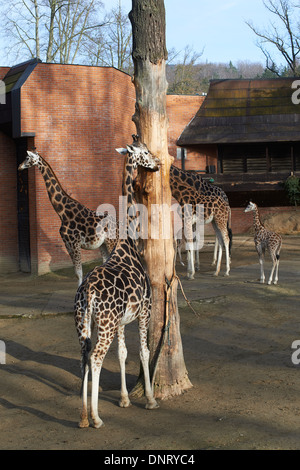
[144, 356]
[122, 353]
[97, 358]
[275, 266]
[276, 270]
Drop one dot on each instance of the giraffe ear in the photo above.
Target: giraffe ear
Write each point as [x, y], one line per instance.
[122, 151]
[130, 148]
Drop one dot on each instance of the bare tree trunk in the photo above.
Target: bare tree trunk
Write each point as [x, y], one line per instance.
[149, 56]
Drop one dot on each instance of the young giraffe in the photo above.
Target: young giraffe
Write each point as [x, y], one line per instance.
[263, 239]
[81, 228]
[187, 189]
[110, 297]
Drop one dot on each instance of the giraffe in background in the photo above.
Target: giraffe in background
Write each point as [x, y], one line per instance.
[81, 228]
[265, 239]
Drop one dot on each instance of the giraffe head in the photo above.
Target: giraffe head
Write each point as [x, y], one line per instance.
[141, 156]
[251, 207]
[32, 159]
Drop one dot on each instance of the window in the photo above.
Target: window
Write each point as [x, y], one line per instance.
[259, 158]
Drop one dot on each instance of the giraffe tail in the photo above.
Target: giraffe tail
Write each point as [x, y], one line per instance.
[229, 231]
[87, 343]
[230, 238]
[85, 359]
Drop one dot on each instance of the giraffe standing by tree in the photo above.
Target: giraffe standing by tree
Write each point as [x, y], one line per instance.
[191, 190]
[203, 187]
[111, 296]
[187, 189]
[81, 228]
[265, 239]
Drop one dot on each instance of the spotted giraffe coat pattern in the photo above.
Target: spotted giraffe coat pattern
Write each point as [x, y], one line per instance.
[81, 228]
[188, 188]
[110, 297]
[265, 239]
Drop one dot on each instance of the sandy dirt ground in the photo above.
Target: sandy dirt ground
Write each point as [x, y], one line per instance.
[238, 354]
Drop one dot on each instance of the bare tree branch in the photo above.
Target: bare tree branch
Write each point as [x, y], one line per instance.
[282, 35]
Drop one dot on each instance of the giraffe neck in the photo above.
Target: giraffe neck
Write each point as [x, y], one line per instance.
[258, 225]
[57, 195]
[127, 186]
[127, 191]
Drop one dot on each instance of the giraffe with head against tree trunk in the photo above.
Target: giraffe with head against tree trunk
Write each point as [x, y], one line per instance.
[265, 239]
[81, 228]
[110, 297]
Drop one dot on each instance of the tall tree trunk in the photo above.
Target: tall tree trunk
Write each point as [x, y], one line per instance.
[149, 56]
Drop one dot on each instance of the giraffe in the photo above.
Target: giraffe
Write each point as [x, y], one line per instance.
[81, 228]
[110, 297]
[263, 239]
[202, 186]
[188, 188]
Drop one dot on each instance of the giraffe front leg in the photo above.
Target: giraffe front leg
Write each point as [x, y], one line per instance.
[227, 259]
[215, 252]
[179, 251]
[262, 273]
[218, 267]
[122, 353]
[190, 260]
[74, 251]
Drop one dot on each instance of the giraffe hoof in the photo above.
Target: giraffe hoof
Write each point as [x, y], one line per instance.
[124, 402]
[152, 405]
[98, 423]
[84, 423]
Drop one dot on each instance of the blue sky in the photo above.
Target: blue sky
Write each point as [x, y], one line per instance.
[217, 25]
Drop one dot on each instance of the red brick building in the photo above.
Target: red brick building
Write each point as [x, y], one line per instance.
[75, 116]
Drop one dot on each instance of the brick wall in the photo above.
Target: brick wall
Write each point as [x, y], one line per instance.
[79, 116]
[9, 257]
[3, 71]
[181, 109]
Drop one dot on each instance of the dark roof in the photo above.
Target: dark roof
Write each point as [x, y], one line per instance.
[10, 115]
[236, 111]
